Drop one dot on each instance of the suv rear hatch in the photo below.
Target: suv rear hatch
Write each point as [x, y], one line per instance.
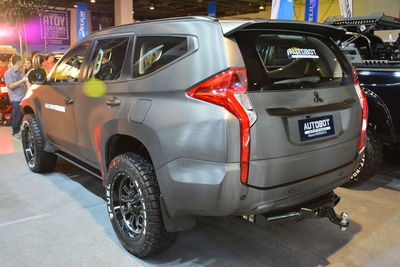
[301, 87]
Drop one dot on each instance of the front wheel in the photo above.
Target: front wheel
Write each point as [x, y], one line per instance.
[134, 208]
[370, 161]
[37, 158]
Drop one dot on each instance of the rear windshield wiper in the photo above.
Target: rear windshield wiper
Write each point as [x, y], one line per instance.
[303, 80]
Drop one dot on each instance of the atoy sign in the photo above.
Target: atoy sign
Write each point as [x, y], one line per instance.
[54, 27]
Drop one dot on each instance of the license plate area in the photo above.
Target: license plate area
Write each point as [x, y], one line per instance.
[314, 128]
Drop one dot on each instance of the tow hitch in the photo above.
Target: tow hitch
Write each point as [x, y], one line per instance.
[342, 221]
[318, 208]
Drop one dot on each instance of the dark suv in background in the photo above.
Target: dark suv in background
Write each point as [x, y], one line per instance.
[195, 116]
[378, 66]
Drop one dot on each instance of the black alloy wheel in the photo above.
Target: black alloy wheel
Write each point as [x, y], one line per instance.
[133, 203]
[37, 158]
[28, 144]
[129, 207]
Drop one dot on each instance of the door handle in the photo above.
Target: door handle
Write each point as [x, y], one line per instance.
[68, 101]
[112, 102]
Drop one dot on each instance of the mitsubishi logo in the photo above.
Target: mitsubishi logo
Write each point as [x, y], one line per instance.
[317, 99]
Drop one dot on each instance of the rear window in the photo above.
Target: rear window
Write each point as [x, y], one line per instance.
[289, 61]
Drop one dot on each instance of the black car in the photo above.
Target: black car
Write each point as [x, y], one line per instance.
[378, 65]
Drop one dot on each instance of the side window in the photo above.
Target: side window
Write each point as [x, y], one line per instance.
[155, 52]
[70, 67]
[108, 59]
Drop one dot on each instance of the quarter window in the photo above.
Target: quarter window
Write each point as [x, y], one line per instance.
[70, 67]
[108, 59]
[155, 52]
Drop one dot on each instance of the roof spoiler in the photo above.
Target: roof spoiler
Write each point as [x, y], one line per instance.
[231, 26]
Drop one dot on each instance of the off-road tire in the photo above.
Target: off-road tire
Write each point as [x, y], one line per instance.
[2, 119]
[32, 138]
[370, 161]
[135, 169]
[9, 121]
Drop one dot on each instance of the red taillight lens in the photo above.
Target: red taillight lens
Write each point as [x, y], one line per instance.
[228, 89]
[364, 106]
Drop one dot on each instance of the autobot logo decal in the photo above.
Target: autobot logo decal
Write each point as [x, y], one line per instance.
[317, 126]
[55, 107]
[295, 52]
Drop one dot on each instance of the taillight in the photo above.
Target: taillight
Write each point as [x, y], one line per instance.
[229, 90]
[364, 106]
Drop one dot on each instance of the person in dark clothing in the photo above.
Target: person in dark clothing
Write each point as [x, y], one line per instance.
[16, 85]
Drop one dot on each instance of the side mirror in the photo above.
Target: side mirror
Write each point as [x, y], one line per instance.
[37, 76]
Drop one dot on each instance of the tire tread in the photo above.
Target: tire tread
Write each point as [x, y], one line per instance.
[45, 161]
[157, 238]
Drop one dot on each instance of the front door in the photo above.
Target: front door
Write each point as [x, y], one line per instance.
[98, 105]
[58, 99]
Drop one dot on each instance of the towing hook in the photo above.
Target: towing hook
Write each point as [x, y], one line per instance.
[342, 221]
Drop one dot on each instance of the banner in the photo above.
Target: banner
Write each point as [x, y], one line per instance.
[54, 27]
[282, 9]
[346, 8]
[212, 9]
[311, 12]
[82, 20]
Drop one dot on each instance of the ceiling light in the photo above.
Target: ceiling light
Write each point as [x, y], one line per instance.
[261, 7]
[75, 6]
[152, 7]
[92, 1]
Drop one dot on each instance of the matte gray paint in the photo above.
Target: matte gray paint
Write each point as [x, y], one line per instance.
[194, 145]
[139, 110]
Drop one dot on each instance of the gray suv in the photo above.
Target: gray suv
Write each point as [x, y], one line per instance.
[196, 116]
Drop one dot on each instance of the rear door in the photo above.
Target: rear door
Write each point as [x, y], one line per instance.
[309, 116]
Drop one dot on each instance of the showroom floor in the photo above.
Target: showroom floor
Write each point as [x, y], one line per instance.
[60, 219]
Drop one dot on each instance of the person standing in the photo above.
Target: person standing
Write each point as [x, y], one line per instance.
[16, 85]
[49, 63]
[37, 73]
[27, 66]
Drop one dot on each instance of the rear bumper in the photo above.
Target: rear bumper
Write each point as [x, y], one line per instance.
[192, 187]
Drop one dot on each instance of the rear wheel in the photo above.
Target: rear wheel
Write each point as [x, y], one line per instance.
[134, 206]
[37, 159]
[370, 161]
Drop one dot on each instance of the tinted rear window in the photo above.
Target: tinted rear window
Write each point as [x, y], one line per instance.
[290, 61]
